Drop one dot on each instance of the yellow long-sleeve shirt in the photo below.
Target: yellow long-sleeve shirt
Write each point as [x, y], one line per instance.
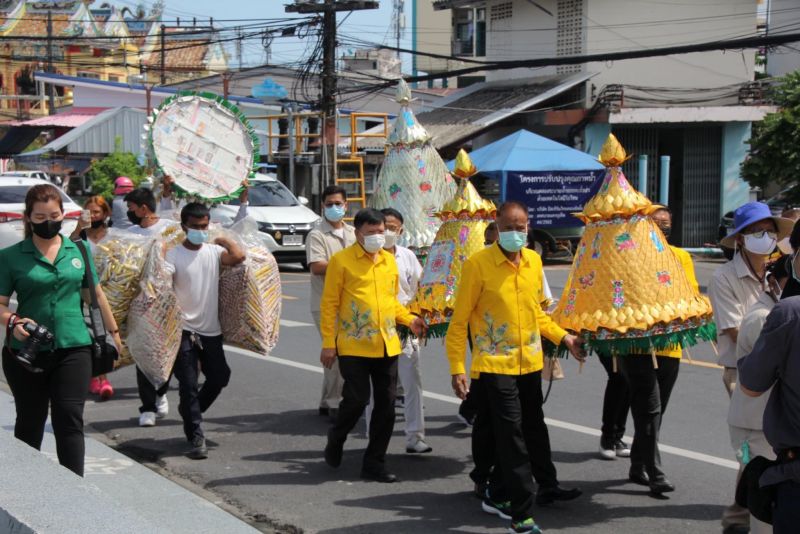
[500, 303]
[359, 309]
[688, 266]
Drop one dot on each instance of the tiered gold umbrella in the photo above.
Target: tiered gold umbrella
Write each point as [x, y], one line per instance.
[464, 219]
[414, 179]
[627, 291]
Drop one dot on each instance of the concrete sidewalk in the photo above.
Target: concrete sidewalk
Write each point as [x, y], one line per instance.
[114, 486]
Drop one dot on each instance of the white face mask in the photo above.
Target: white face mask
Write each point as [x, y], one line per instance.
[762, 244]
[373, 243]
[390, 239]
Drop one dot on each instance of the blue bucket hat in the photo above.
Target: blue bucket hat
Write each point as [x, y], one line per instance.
[750, 213]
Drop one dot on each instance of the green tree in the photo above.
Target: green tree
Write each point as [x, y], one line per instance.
[775, 141]
[118, 163]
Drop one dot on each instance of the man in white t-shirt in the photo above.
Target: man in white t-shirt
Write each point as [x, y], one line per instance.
[195, 267]
[410, 271]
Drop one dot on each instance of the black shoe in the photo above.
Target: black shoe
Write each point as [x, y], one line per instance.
[736, 529]
[480, 489]
[659, 484]
[199, 450]
[323, 411]
[333, 453]
[378, 476]
[638, 475]
[547, 496]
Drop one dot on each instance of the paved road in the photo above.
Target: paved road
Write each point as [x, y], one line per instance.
[266, 441]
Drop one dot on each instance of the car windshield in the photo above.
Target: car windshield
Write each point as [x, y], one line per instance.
[15, 194]
[269, 194]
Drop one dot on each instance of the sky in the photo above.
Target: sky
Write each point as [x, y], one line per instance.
[372, 25]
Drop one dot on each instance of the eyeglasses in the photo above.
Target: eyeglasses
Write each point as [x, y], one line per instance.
[761, 233]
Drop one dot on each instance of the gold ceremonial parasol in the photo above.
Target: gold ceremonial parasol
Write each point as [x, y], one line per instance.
[627, 291]
[464, 219]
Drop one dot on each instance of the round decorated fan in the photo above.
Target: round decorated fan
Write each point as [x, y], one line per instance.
[205, 144]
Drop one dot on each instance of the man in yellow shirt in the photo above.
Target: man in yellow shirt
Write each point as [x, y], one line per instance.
[498, 299]
[359, 312]
[650, 388]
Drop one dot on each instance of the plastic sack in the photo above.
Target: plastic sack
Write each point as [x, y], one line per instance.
[250, 293]
[119, 260]
[154, 320]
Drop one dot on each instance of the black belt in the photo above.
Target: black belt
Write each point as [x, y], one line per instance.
[788, 455]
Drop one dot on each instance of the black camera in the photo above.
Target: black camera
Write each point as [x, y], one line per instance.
[38, 334]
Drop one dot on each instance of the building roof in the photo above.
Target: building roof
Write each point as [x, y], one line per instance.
[98, 135]
[69, 119]
[182, 54]
[464, 115]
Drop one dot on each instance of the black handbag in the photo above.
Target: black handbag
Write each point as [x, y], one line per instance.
[104, 352]
[760, 500]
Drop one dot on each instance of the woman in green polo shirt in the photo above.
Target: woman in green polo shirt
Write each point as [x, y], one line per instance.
[47, 272]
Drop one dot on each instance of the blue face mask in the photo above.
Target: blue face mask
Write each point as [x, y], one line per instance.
[513, 241]
[197, 237]
[334, 213]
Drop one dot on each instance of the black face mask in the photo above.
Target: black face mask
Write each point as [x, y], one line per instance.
[46, 229]
[98, 224]
[135, 219]
[666, 230]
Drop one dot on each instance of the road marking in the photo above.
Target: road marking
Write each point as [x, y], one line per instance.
[292, 324]
[288, 297]
[677, 451]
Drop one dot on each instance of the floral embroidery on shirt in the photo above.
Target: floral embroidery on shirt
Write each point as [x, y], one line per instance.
[359, 324]
[493, 340]
[535, 342]
[390, 327]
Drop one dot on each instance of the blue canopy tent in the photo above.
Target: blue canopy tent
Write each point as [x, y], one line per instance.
[552, 179]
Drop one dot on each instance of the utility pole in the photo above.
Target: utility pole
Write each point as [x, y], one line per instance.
[399, 23]
[163, 56]
[328, 9]
[50, 88]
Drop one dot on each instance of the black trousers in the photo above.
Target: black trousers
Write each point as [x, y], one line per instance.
[521, 439]
[62, 388]
[483, 451]
[357, 372]
[650, 391]
[195, 400]
[616, 401]
[148, 393]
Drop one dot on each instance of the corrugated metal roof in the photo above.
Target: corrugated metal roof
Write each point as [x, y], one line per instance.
[460, 117]
[98, 135]
[69, 119]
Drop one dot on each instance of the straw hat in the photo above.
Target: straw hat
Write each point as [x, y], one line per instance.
[627, 291]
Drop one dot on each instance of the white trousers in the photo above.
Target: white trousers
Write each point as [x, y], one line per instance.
[759, 446]
[410, 377]
[332, 381]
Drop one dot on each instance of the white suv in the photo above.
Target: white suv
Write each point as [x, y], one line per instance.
[12, 206]
[283, 218]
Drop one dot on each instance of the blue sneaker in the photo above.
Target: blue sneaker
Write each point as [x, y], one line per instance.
[527, 526]
[502, 509]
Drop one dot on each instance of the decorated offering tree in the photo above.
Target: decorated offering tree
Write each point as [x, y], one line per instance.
[205, 144]
[464, 219]
[414, 179]
[627, 292]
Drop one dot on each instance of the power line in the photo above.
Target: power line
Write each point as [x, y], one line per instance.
[731, 44]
